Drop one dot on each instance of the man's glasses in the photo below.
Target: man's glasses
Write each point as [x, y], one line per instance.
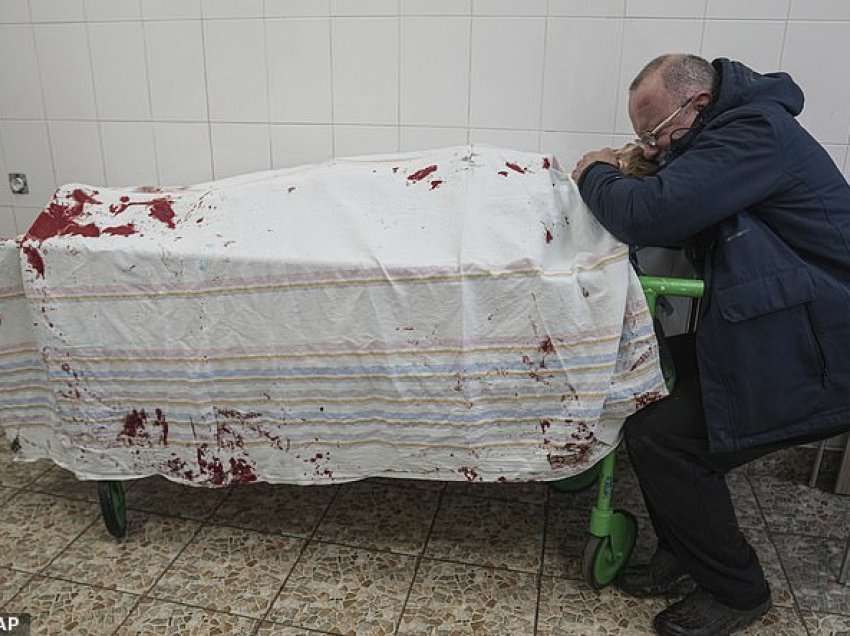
[649, 139]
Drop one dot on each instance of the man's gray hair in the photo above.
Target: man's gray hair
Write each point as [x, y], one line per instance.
[680, 72]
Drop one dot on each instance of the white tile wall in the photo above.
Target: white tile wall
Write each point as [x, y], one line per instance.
[20, 96]
[26, 149]
[24, 217]
[507, 72]
[756, 43]
[240, 148]
[364, 7]
[129, 153]
[587, 8]
[175, 56]
[183, 153]
[113, 9]
[528, 140]
[812, 52]
[425, 137]
[232, 8]
[57, 10]
[436, 7]
[299, 8]
[77, 157]
[237, 80]
[820, 9]
[772, 9]
[5, 193]
[119, 70]
[578, 51]
[7, 223]
[14, 11]
[66, 70]
[365, 70]
[299, 58]
[434, 86]
[297, 145]
[178, 91]
[171, 9]
[364, 140]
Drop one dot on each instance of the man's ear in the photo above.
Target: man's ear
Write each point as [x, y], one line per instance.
[701, 101]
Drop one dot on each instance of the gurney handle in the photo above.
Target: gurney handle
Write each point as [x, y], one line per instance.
[655, 286]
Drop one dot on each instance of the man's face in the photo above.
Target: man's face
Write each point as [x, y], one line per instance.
[649, 105]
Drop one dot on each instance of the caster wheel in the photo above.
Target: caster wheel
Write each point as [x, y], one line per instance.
[604, 557]
[112, 507]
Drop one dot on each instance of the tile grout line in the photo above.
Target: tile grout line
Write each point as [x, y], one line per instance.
[419, 558]
[542, 562]
[769, 533]
[268, 86]
[146, 594]
[543, 78]
[306, 543]
[203, 28]
[150, 99]
[469, 77]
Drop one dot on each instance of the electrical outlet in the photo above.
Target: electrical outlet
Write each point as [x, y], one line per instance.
[18, 183]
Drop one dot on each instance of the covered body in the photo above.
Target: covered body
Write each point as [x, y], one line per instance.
[451, 314]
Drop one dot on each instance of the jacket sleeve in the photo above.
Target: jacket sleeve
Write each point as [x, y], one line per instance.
[727, 170]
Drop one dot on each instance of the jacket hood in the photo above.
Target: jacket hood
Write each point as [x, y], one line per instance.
[739, 85]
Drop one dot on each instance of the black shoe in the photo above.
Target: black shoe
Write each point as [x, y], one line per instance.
[662, 576]
[700, 614]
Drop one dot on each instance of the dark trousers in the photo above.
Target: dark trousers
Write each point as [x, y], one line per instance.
[685, 490]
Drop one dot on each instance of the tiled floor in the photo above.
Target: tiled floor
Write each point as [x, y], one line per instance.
[381, 556]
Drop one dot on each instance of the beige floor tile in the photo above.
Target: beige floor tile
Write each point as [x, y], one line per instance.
[131, 565]
[380, 517]
[63, 483]
[779, 587]
[779, 621]
[10, 582]
[567, 534]
[530, 492]
[570, 607]
[345, 590]
[18, 474]
[820, 624]
[63, 608]
[6, 493]
[795, 464]
[488, 532]
[274, 629]
[812, 566]
[293, 510]
[164, 497]
[35, 527]
[230, 570]
[791, 507]
[155, 618]
[452, 598]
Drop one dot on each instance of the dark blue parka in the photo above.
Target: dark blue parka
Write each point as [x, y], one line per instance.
[761, 202]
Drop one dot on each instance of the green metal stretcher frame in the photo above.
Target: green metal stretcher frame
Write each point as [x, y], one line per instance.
[613, 533]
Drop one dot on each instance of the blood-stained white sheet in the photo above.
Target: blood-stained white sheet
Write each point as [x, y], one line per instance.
[449, 314]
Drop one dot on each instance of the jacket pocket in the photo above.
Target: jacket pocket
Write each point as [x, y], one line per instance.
[763, 296]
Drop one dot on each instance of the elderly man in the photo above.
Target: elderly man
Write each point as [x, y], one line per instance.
[765, 215]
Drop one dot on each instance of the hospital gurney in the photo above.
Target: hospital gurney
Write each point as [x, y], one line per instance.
[452, 314]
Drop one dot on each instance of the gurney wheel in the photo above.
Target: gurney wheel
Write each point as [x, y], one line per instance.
[112, 507]
[604, 557]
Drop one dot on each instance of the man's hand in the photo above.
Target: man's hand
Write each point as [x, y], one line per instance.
[606, 155]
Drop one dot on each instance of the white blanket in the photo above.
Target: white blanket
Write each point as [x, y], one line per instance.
[450, 314]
